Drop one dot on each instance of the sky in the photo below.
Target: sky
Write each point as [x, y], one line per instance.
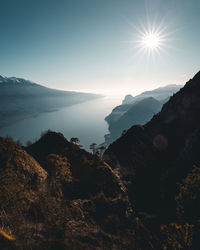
[96, 45]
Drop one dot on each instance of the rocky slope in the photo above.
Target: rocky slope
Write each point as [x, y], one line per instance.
[55, 195]
[153, 158]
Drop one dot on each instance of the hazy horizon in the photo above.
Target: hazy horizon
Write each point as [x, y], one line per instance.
[119, 96]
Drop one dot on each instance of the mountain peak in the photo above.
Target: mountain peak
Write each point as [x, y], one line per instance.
[127, 99]
[15, 80]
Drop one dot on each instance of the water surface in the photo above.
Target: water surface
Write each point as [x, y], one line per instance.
[84, 120]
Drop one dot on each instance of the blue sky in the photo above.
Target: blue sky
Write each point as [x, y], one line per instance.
[90, 45]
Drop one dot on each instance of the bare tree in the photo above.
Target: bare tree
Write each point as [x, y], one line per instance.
[124, 132]
[101, 151]
[29, 143]
[93, 147]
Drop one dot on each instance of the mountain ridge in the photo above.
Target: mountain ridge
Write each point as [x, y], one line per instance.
[170, 89]
[139, 113]
[132, 111]
[154, 157]
[21, 98]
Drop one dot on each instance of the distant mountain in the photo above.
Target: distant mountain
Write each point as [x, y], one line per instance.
[160, 164]
[137, 110]
[159, 94]
[128, 99]
[139, 113]
[20, 98]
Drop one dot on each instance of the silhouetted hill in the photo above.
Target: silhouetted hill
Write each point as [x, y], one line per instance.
[55, 195]
[20, 99]
[133, 110]
[139, 113]
[153, 158]
[160, 94]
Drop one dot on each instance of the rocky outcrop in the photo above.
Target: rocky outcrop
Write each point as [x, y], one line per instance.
[55, 195]
[128, 99]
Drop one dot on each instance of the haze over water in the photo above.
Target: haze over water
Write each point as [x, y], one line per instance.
[84, 120]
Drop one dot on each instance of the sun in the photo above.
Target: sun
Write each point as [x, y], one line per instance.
[151, 41]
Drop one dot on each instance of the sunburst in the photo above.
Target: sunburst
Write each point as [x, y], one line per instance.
[151, 39]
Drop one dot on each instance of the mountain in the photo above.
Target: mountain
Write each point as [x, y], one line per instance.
[20, 99]
[161, 94]
[144, 194]
[55, 195]
[139, 113]
[160, 164]
[158, 93]
[137, 110]
[128, 99]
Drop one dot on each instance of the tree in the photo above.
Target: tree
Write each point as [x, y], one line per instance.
[93, 147]
[19, 142]
[101, 149]
[124, 132]
[29, 143]
[74, 140]
[177, 236]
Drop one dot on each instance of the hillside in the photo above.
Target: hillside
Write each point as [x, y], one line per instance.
[55, 195]
[20, 99]
[144, 194]
[152, 160]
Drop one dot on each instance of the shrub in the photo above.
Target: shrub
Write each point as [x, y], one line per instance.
[177, 236]
[188, 197]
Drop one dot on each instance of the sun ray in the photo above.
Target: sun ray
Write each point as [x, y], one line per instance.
[151, 39]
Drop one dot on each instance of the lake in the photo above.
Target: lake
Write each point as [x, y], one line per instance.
[84, 120]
